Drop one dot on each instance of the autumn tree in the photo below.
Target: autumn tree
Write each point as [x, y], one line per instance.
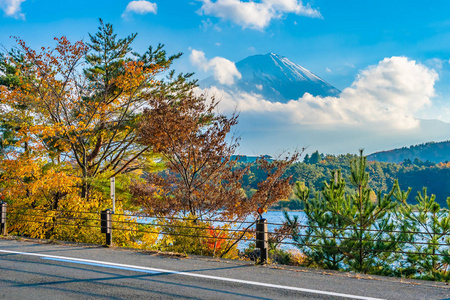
[69, 116]
[201, 178]
[84, 101]
[201, 182]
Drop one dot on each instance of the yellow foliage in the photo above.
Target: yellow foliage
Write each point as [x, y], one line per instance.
[45, 203]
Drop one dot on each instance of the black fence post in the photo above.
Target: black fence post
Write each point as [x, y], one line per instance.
[106, 225]
[262, 239]
[3, 206]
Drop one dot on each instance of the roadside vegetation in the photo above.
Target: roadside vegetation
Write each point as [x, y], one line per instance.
[359, 229]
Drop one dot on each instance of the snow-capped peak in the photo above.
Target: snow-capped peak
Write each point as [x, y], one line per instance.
[276, 78]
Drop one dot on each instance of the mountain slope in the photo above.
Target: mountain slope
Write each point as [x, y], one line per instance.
[276, 78]
[434, 152]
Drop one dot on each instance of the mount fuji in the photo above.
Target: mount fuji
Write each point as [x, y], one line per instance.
[276, 78]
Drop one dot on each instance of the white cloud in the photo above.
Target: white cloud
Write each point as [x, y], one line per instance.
[206, 24]
[436, 63]
[384, 96]
[141, 7]
[12, 8]
[350, 65]
[256, 15]
[225, 71]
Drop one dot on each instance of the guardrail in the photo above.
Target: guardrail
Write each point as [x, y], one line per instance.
[3, 207]
[107, 223]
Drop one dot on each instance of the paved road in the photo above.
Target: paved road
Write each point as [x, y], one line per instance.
[31, 270]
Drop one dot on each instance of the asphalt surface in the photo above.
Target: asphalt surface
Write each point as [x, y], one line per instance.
[39, 270]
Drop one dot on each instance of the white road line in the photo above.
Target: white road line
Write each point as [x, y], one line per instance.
[156, 270]
[102, 264]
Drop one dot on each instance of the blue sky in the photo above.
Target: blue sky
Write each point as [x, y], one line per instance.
[337, 40]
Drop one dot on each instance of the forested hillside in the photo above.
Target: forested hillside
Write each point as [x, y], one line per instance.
[314, 170]
[432, 151]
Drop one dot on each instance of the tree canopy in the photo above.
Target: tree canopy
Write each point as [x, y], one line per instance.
[79, 104]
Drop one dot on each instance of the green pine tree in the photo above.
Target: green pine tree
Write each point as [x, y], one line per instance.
[350, 230]
[372, 240]
[315, 158]
[428, 257]
[12, 120]
[323, 235]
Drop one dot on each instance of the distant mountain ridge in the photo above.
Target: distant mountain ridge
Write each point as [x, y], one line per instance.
[276, 78]
[433, 151]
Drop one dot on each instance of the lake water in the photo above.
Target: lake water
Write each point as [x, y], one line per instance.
[274, 220]
[278, 216]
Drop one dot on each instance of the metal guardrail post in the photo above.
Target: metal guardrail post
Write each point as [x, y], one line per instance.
[3, 206]
[106, 225]
[262, 239]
